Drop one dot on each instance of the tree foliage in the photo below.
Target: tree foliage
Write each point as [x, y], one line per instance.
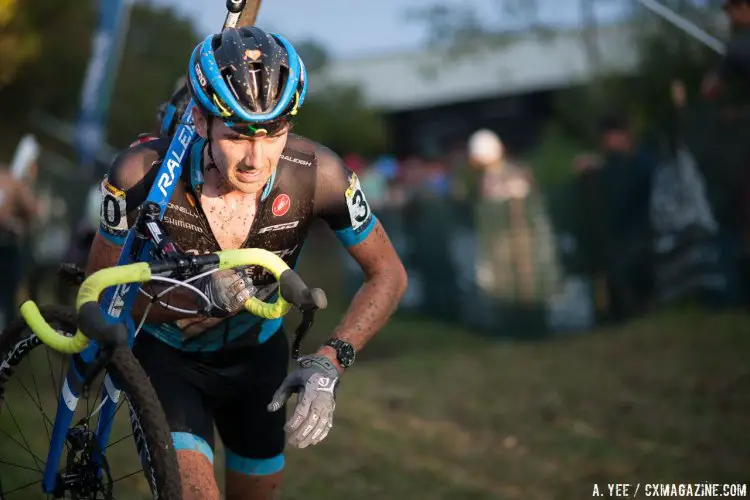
[314, 55]
[47, 75]
[665, 53]
[338, 118]
[337, 115]
[18, 42]
[157, 49]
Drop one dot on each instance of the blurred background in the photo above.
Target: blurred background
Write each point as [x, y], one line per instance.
[567, 182]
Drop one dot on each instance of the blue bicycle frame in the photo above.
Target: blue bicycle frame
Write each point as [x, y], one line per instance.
[116, 304]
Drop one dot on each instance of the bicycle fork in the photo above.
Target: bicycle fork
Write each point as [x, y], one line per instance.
[82, 370]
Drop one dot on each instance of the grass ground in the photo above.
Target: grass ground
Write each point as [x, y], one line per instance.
[663, 399]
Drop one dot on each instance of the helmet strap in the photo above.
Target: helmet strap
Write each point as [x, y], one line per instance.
[209, 122]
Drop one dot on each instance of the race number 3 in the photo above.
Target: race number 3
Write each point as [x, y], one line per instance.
[113, 212]
[359, 209]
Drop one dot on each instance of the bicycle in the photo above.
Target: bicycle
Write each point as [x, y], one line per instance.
[99, 337]
[87, 473]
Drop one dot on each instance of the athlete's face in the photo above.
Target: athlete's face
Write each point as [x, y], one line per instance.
[245, 162]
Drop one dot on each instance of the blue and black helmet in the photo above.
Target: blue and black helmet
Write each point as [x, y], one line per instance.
[247, 77]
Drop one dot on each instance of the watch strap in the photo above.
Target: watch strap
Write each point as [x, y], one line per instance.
[337, 344]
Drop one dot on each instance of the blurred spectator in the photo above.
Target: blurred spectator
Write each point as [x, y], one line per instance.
[675, 128]
[679, 200]
[615, 189]
[355, 163]
[436, 179]
[728, 168]
[18, 207]
[375, 185]
[24, 163]
[686, 261]
[500, 178]
[736, 61]
[457, 163]
[387, 166]
[502, 181]
[80, 244]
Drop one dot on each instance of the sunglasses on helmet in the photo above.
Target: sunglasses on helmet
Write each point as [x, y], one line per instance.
[270, 128]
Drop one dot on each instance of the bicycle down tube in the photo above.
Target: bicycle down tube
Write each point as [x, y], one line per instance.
[117, 302]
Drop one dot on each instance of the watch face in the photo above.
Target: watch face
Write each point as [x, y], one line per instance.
[346, 355]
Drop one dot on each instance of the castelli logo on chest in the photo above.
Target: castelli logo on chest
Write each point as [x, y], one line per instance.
[281, 205]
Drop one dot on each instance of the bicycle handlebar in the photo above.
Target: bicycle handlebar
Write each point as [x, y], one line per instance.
[93, 324]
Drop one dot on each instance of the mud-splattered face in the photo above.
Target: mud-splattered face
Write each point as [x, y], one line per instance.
[246, 162]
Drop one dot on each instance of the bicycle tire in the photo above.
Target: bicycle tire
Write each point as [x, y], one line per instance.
[127, 373]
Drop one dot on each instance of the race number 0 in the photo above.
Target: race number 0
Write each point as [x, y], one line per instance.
[111, 211]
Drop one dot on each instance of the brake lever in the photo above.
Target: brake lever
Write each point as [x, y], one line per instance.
[308, 317]
[71, 274]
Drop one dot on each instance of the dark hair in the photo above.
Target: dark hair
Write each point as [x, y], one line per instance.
[612, 123]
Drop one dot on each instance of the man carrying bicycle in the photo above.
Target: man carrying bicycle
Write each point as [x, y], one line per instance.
[247, 183]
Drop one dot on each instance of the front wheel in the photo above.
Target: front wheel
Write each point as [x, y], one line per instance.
[32, 377]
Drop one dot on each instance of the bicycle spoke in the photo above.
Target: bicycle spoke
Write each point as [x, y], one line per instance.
[18, 466]
[18, 444]
[111, 418]
[127, 475]
[41, 405]
[58, 388]
[28, 446]
[101, 388]
[52, 375]
[22, 487]
[118, 441]
[38, 405]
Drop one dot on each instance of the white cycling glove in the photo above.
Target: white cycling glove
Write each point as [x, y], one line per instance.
[315, 381]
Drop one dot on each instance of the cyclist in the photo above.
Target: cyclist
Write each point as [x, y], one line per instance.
[246, 183]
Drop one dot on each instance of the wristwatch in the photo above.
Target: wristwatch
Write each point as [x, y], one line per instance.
[345, 352]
